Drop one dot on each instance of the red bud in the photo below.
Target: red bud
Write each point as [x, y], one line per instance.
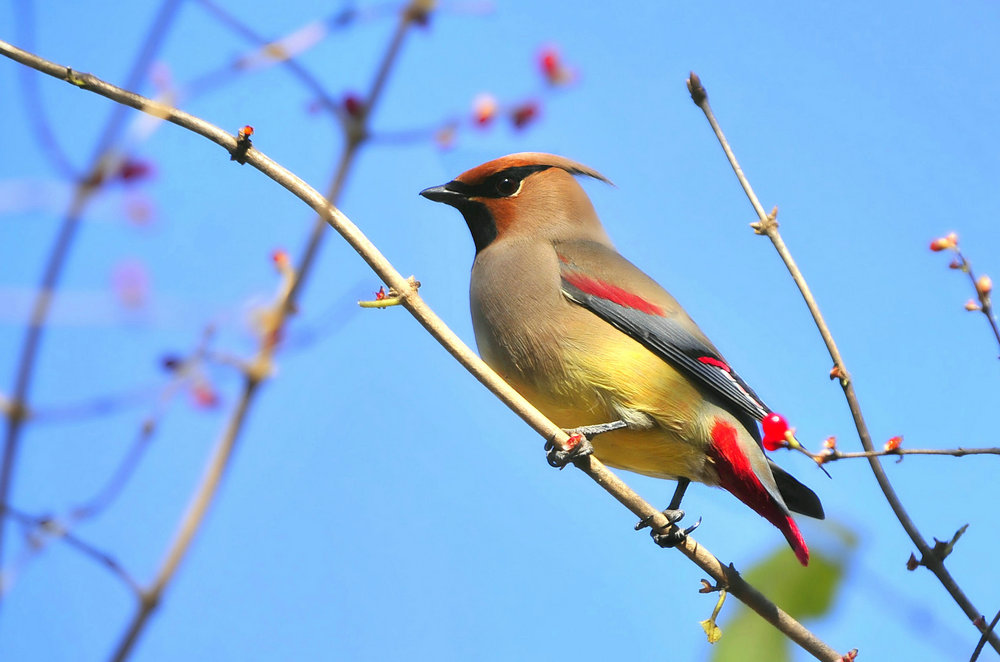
[484, 109]
[280, 258]
[984, 285]
[354, 105]
[204, 395]
[133, 170]
[524, 114]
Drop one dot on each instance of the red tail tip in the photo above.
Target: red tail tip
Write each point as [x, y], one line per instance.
[794, 538]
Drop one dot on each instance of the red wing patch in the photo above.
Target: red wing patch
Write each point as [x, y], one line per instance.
[612, 293]
[737, 477]
[721, 365]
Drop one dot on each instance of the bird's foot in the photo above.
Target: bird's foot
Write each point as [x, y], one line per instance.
[673, 535]
[577, 447]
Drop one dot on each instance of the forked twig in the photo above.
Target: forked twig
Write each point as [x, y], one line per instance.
[768, 225]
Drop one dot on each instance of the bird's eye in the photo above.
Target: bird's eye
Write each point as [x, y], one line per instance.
[507, 186]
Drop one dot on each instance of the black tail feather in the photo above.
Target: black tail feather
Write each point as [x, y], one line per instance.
[798, 497]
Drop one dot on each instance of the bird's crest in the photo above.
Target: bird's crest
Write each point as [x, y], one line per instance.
[523, 159]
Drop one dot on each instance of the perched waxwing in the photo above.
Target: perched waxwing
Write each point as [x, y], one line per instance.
[589, 339]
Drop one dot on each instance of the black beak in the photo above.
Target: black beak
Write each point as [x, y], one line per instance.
[464, 198]
[445, 193]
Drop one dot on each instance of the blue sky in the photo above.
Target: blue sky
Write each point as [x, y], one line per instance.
[382, 504]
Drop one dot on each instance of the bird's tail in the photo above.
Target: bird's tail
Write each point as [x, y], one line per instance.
[743, 471]
[787, 526]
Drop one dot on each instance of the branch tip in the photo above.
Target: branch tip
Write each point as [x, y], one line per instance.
[419, 11]
[698, 93]
[393, 297]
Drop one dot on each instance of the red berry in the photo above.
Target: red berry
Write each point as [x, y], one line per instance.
[775, 426]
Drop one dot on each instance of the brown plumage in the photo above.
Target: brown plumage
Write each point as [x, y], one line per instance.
[588, 338]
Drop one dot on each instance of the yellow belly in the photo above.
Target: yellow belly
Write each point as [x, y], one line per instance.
[650, 452]
[595, 389]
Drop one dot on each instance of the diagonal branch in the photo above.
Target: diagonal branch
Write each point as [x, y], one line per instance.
[769, 226]
[260, 368]
[725, 576]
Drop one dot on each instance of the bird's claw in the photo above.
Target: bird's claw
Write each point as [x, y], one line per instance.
[674, 535]
[559, 458]
[673, 516]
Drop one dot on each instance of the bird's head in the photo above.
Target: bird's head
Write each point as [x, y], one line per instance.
[528, 194]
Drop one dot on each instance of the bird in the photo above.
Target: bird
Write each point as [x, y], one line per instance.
[597, 345]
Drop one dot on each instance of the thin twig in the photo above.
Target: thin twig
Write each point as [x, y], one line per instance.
[232, 21]
[985, 298]
[96, 406]
[768, 225]
[24, 17]
[57, 529]
[57, 259]
[982, 640]
[723, 575]
[149, 598]
[832, 454]
[126, 468]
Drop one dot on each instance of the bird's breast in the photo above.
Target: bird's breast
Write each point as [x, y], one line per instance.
[578, 369]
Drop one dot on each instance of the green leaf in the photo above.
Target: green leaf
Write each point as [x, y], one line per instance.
[802, 592]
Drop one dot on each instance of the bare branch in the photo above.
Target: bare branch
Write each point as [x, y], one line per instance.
[768, 225]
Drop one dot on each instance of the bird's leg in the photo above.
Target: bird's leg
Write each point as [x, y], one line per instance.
[590, 431]
[674, 514]
[581, 446]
